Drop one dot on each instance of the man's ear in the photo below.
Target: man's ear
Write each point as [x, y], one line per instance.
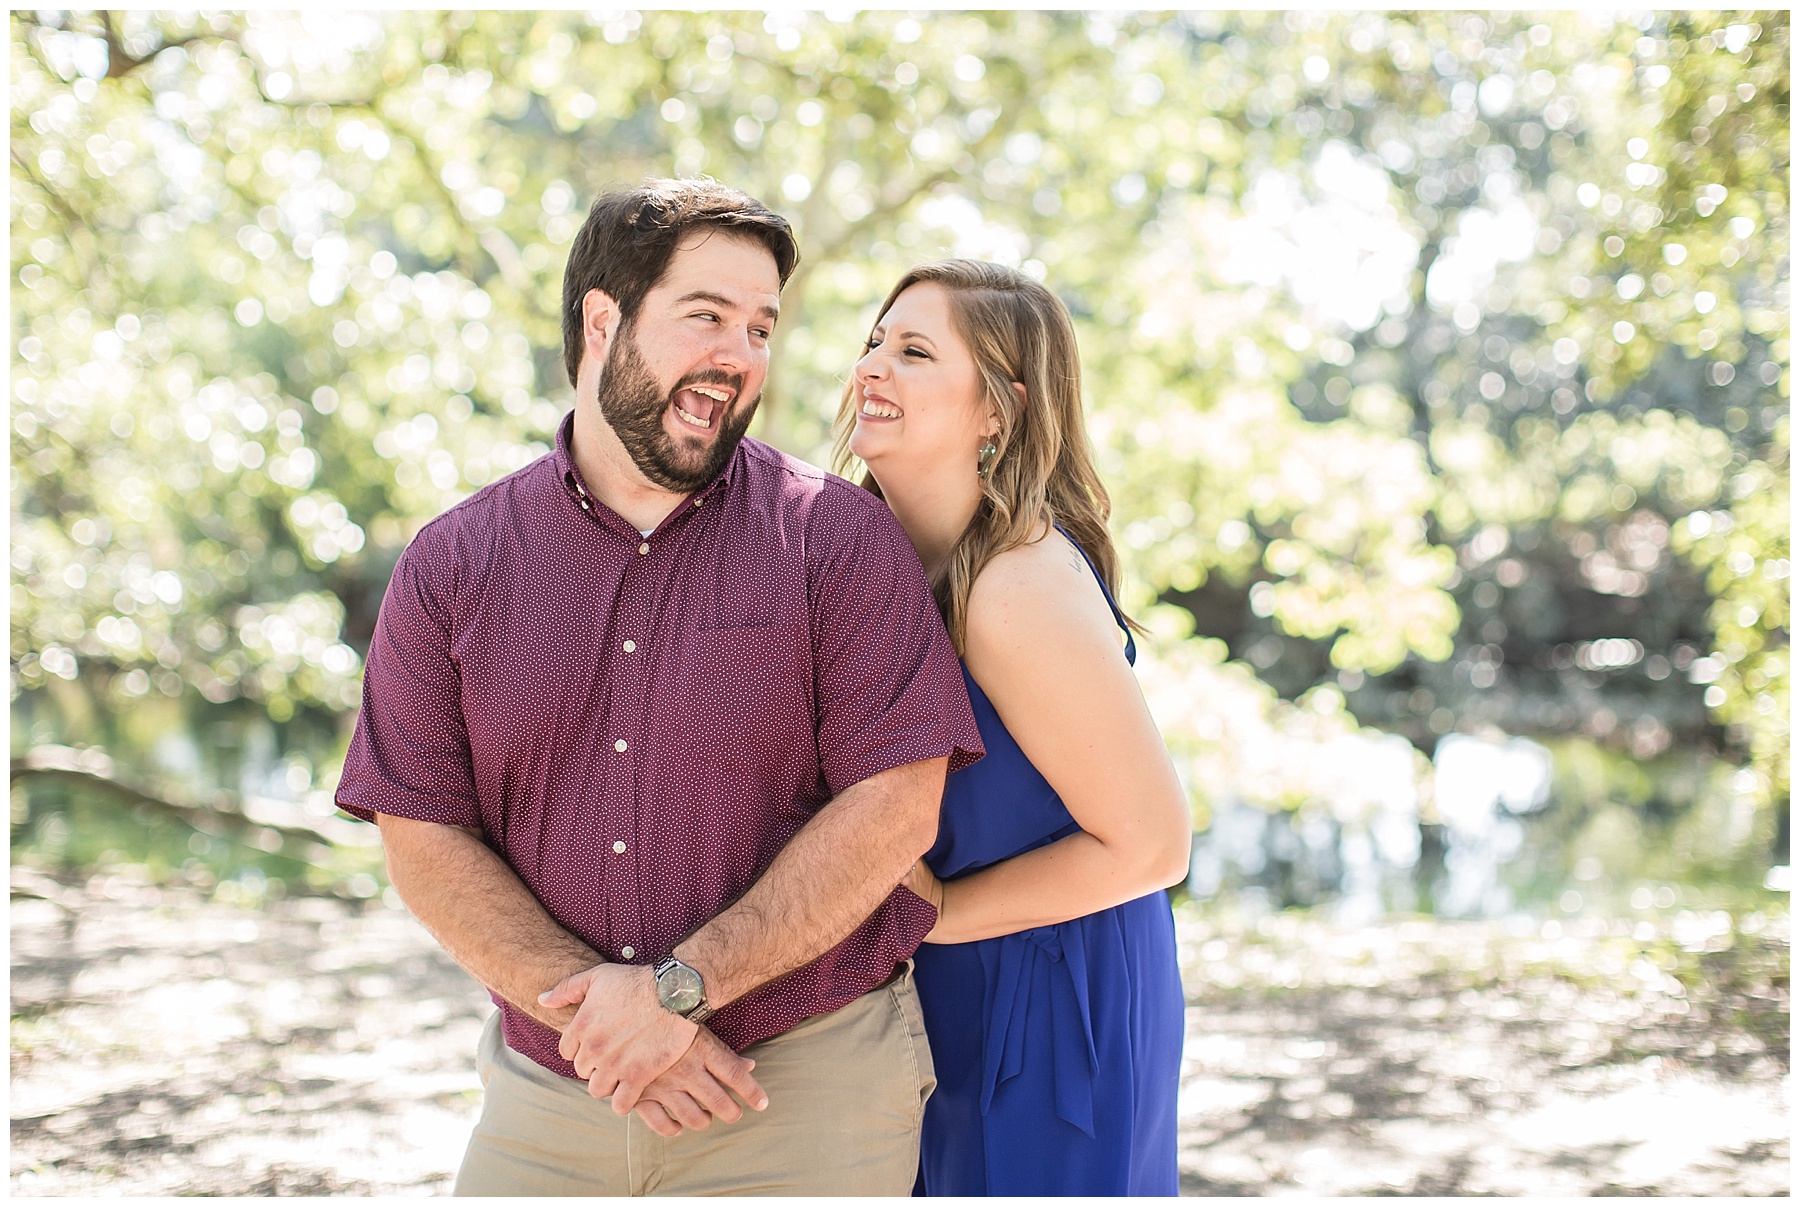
[599, 324]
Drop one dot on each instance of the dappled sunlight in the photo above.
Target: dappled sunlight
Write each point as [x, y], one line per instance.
[1437, 364]
[182, 1047]
[1471, 1058]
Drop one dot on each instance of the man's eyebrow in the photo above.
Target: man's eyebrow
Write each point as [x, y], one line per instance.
[719, 299]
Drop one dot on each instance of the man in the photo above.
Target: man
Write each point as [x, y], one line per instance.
[652, 729]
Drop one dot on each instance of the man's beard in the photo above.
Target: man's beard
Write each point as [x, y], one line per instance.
[633, 404]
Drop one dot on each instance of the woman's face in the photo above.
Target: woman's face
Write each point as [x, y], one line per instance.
[916, 389]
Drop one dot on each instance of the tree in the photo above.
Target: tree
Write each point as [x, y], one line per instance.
[1353, 293]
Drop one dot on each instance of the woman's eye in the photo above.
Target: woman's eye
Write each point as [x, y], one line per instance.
[869, 345]
[918, 352]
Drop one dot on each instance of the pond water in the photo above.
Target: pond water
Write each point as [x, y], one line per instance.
[1504, 824]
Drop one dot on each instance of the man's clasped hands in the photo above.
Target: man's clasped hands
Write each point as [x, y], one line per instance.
[675, 1073]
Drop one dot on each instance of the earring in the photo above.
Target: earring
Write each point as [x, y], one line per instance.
[984, 458]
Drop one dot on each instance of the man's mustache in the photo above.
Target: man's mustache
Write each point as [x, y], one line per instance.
[713, 377]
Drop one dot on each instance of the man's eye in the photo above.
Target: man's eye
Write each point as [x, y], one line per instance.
[761, 332]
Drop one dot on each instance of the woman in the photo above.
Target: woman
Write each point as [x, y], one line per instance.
[1050, 987]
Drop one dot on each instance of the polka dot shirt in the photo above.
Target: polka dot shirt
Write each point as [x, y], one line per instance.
[639, 724]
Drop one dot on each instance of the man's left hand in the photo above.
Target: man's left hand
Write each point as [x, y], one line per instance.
[621, 1039]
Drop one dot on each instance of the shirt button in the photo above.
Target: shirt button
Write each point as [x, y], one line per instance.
[619, 745]
[696, 502]
[628, 952]
[631, 647]
[644, 548]
[619, 847]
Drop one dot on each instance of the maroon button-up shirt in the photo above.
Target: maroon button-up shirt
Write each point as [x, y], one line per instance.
[640, 724]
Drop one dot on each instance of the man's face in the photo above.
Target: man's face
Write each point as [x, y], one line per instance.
[682, 381]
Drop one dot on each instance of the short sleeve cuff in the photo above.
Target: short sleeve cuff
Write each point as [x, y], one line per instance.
[363, 798]
[846, 769]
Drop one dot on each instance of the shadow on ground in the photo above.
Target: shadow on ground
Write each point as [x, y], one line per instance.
[166, 1044]
[1467, 1058]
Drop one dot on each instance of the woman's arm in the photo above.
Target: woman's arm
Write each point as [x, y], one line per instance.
[1044, 647]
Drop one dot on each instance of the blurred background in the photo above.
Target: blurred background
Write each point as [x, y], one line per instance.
[1438, 364]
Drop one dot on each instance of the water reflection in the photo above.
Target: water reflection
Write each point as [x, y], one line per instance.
[1480, 787]
[1368, 846]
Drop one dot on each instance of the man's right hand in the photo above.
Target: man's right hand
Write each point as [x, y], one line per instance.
[691, 1093]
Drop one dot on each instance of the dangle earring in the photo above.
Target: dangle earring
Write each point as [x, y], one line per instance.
[984, 458]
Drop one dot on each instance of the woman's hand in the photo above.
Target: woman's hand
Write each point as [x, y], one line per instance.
[920, 881]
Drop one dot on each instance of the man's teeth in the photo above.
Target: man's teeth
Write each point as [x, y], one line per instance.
[693, 419]
[880, 409]
[715, 395]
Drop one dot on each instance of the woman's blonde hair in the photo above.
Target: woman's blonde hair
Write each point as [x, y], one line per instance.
[1043, 471]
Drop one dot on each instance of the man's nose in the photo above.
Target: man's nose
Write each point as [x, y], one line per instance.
[733, 350]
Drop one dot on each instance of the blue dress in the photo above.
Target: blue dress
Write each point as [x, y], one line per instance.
[1058, 1049]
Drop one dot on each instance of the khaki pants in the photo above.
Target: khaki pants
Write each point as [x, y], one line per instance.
[846, 1092]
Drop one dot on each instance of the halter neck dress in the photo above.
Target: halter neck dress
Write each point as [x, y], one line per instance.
[1058, 1049]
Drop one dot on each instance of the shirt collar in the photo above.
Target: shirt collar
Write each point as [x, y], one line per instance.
[570, 475]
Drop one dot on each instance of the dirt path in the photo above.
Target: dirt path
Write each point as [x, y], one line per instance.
[1463, 1059]
[163, 1044]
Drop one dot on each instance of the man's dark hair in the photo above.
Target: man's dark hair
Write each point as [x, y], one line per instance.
[630, 236]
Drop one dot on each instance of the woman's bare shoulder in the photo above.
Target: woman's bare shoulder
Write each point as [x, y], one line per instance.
[1036, 596]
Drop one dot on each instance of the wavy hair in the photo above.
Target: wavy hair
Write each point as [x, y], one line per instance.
[1044, 471]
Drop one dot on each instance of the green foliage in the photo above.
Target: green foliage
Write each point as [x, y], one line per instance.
[1359, 296]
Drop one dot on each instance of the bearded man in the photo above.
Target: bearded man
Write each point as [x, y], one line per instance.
[652, 729]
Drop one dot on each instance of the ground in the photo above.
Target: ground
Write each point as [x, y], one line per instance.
[167, 1043]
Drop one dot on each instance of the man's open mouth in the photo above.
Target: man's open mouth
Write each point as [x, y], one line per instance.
[699, 406]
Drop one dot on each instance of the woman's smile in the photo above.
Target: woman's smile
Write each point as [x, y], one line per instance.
[874, 406]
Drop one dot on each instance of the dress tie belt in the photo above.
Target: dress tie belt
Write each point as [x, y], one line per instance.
[1044, 968]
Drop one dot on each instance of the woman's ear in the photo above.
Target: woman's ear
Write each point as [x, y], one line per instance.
[599, 323]
[993, 428]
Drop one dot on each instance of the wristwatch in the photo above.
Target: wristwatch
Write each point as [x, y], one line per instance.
[680, 990]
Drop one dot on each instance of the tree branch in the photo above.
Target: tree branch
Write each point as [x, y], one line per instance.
[93, 773]
[57, 200]
[121, 63]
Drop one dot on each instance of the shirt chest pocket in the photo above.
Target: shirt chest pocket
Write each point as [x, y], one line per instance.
[748, 683]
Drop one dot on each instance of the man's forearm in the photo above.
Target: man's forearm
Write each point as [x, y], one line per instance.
[825, 883]
[508, 941]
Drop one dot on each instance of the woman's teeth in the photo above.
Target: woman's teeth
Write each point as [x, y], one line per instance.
[880, 410]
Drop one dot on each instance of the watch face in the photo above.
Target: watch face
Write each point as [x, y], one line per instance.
[679, 989]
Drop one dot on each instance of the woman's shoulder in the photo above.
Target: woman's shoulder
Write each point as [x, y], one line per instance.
[1036, 596]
